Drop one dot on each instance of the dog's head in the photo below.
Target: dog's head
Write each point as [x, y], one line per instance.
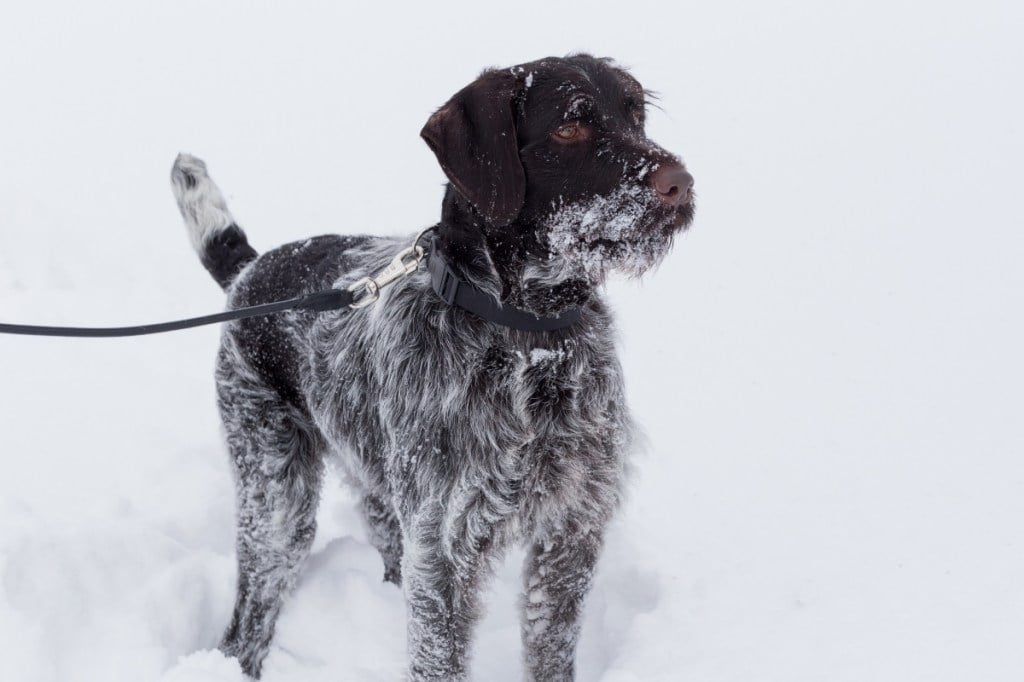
[553, 162]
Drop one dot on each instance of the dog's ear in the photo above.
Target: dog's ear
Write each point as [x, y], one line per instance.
[474, 138]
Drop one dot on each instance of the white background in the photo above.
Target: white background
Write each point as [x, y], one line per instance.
[827, 367]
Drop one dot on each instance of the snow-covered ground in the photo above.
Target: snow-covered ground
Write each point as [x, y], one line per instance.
[828, 366]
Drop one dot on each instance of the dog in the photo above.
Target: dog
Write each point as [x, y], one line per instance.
[462, 430]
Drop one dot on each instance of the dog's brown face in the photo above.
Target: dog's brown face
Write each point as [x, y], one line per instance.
[553, 155]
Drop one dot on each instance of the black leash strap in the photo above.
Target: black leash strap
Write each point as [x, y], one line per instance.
[330, 299]
[445, 281]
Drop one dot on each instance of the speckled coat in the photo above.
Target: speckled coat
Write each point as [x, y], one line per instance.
[461, 436]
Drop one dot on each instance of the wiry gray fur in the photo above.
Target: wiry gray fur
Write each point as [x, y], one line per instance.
[461, 436]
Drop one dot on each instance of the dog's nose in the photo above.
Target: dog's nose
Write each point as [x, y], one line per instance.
[673, 185]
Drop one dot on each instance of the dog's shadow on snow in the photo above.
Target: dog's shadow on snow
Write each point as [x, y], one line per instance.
[624, 591]
[341, 620]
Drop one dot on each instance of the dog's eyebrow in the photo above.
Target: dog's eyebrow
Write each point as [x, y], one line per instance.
[651, 98]
[579, 105]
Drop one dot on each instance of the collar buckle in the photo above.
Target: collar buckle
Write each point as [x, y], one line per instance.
[448, 285]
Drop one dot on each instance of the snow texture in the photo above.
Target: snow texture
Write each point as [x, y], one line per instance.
[608, 234]
[827, 365]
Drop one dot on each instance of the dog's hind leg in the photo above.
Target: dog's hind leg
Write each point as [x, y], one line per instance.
[278, 466]
[385, 535]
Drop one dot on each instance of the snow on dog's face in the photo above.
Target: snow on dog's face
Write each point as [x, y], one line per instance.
[627, 231]
[553, 158]
[609, 198]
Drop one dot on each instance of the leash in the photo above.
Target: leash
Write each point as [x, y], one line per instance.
[358, 295]
[444, 280]
[330, 299]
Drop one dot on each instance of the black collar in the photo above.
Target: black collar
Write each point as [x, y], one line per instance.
[456, 291]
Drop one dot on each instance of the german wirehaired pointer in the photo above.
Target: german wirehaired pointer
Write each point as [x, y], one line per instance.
[462, 432]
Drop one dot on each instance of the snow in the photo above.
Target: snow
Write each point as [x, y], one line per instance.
[827, 366]
[541, 355]
[608, 234]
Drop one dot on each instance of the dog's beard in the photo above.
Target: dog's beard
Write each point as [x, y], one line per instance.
[628, 231]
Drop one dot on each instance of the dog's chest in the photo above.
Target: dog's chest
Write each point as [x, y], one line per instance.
[500, 408]
[541, 386]
[490, 426]
[526, 432]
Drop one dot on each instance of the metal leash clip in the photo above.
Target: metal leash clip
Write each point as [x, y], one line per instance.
[404, 263]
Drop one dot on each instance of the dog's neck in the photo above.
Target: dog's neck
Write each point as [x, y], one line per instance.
[510, 263]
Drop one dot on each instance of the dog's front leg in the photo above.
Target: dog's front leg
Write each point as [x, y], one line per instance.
[442, 583]
[557, 575]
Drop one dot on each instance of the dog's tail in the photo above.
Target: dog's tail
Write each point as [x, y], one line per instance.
[216, 237]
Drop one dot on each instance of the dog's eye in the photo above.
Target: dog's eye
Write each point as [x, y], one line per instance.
[570, 131]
